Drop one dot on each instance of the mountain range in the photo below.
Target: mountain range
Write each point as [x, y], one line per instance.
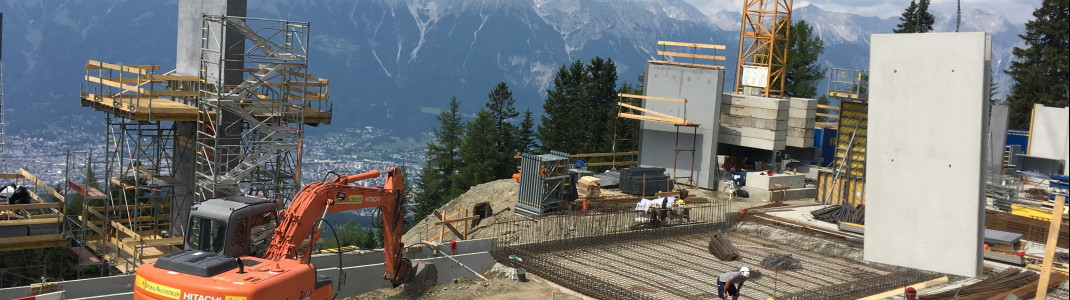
[394, 63]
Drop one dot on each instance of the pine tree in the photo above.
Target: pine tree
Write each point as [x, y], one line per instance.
[803, 70]
[583, 96]
[436, 180]
[477, 152]
[1041, 70]
[506, 141]
[526, 133]
[916, 18]
[557, 131]
[601, 105]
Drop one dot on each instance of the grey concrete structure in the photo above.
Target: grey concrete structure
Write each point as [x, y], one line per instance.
[188, 62]
[754, 122]
[1050, 133]
[802, 114]
[997, 139]
[701, 88]
[926, 151]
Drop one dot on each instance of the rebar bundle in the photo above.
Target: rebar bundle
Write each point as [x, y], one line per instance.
[1001, 282]
[780, 262]
[721, 247]
[836, 213]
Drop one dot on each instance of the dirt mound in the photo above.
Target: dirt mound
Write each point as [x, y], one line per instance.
[466, 288]
[501, 195]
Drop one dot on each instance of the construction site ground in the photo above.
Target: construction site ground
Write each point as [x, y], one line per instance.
[670, 263]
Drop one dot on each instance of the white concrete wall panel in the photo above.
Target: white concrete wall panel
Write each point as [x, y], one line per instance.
[926, 151]
[702, 90]
[1050, 136]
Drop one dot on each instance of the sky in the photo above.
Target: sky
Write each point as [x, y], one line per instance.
[1016, 11]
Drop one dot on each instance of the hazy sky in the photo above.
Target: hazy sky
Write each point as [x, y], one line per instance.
[1016, 11]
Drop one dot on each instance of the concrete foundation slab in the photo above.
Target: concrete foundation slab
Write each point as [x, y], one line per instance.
[926, 151]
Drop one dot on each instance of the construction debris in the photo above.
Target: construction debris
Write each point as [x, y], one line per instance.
[780, 262]
[721, 247]
[589, 187]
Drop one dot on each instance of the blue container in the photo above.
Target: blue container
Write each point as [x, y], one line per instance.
[1017, 137]
[823, 140]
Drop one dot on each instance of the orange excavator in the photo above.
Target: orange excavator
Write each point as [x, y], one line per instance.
[244, 248]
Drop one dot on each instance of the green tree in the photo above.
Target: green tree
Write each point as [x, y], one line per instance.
[916, 18]
[557, 131]
[527, 133]
[583, 96]
[477, 152]
[803, 69]
[1041, 70]
[436, 180]
[506, 136]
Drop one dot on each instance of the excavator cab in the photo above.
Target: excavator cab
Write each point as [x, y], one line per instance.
[233, 226]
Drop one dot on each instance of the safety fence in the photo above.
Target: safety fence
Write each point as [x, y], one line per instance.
[1031, 229]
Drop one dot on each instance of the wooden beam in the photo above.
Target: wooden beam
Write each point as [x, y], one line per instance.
[696, 45]
[647, 118]
[32, 242]
[651, 98]
[125, 87]
[448, 225]
[609, 163]
[604, 154]
[826, 125]
[37, 182]
[456, 220]
[49, 220]
[166, 77]
[140, 69]
[689, 65]
[689, 55]
[167, 93]
[53, 205]
[159, 242]
[827, 115]
[828, 107]
[1049, 246]
[666, 116]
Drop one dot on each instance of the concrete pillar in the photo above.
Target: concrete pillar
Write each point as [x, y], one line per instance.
[188, 62]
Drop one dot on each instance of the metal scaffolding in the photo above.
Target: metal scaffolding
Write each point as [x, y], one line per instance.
[763, 47]
[249, 135]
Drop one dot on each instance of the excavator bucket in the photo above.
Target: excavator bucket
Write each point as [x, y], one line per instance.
[423, 272]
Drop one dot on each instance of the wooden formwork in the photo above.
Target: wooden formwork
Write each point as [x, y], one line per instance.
[40, 215]
[845, 190]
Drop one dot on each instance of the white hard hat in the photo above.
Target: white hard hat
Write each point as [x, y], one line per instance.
[744, 271]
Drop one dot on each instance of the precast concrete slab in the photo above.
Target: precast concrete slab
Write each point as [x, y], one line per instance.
[756, 179]
[926, 151]
[997, 138]
[741, 121]
[1050, 133]
[756, 143]
[700, 87]
[752, 132]
[747, 111]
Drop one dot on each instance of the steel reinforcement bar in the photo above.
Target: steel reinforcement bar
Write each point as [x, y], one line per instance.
[865, 287]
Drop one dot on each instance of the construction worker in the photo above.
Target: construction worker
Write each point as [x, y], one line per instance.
[911, 293]
[730, 283]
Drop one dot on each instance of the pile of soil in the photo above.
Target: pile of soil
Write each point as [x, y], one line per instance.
[464, 288]
[501, 195]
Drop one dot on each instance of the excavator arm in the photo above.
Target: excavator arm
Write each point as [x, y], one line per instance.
[318, 199]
